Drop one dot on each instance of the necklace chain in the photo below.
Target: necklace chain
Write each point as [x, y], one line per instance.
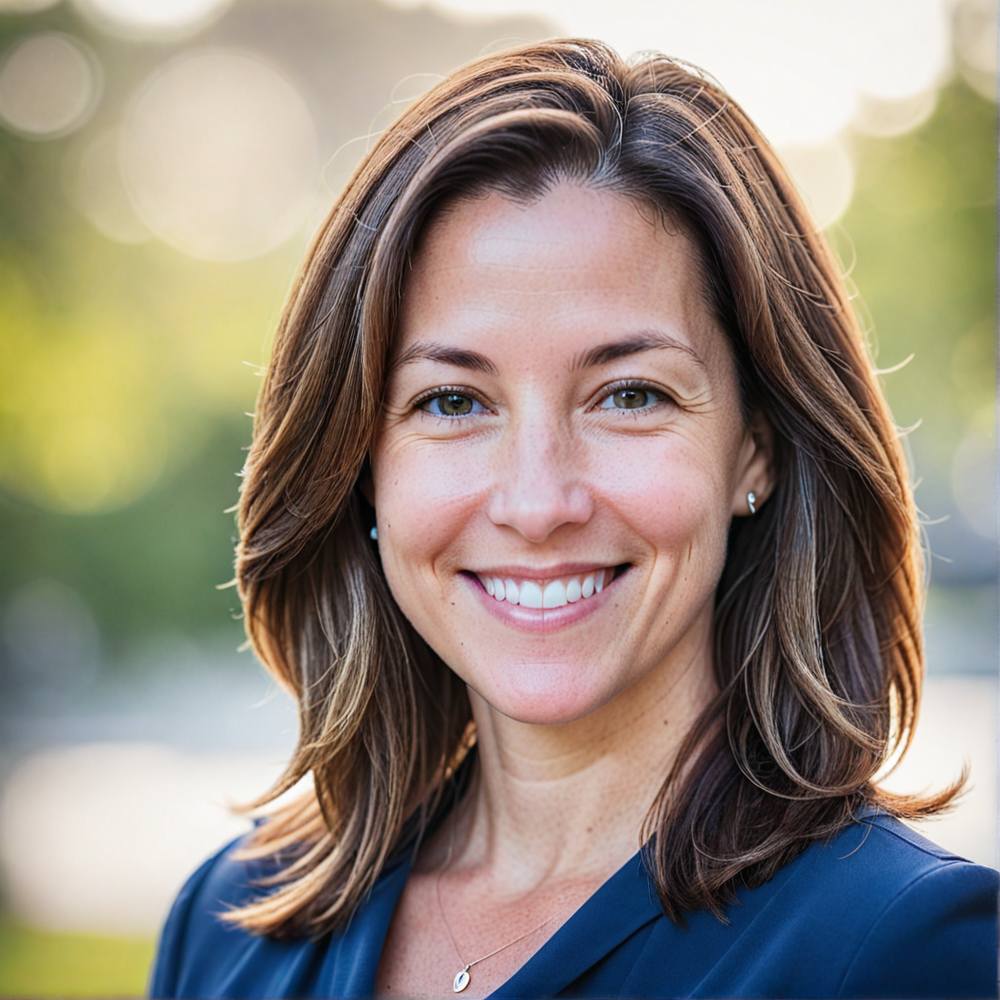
[462, 977]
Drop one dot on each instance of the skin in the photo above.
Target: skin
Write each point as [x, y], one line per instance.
[531, 318]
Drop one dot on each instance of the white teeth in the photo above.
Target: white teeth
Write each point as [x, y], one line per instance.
[555, 595]
[530, 595]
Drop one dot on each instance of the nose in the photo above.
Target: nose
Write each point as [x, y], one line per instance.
[539, 482]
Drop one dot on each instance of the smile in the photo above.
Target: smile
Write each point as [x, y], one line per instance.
[553, 593]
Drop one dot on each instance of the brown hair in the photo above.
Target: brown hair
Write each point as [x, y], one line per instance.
[818, 643]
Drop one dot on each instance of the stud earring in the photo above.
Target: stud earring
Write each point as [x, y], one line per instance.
[373, 534]
[751, 500]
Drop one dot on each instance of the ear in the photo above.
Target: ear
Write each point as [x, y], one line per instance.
[755, 468]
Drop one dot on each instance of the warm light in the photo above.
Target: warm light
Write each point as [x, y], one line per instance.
[885, 117]
[170, 19]
[975, 31]
[100, 837]
[797, 68]
[49, 84]
[220, 156]
[824, 175]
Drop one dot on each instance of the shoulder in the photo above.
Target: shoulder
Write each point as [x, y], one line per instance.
[888, 859]
[202, 955]
[196, 946]
[878, 911]
[916, 919]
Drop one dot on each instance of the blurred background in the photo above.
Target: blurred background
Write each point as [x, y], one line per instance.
[162, 165]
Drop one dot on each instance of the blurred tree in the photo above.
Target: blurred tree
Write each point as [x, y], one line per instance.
[124, 380]
[922, 228]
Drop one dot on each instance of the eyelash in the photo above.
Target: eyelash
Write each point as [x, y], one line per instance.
[448, 390]
[608, 391]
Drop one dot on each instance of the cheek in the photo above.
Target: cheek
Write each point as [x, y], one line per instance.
[674, 493]
[425, 496]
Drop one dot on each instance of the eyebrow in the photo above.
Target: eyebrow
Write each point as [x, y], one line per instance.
[649, 340]
[605, 353]
[460, 358]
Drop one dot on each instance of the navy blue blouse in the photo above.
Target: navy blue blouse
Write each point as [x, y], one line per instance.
[877, 912]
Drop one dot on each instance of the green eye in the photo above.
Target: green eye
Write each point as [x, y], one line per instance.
[453, 404]
[632, 397]
[629, 399]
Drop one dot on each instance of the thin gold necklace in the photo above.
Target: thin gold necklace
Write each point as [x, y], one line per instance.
[463, 977]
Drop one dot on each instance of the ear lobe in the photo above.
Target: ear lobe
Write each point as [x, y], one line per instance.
[756, 474]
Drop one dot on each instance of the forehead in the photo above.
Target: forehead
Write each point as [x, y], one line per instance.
[576, 265]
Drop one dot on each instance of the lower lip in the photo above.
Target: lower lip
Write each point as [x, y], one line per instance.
[540, 619]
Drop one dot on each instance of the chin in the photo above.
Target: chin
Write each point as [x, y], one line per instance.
[544, 694]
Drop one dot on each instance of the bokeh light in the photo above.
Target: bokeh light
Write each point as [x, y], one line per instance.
[97, 188]
[886, 117]
[49, 84]
[158, 19]
[975, 35]
[82, 840]
[798, 67]
[804, 72]
[144, 254]
[220, 156]
[825, 175]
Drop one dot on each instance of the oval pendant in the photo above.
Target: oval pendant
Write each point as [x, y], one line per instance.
[461, 981]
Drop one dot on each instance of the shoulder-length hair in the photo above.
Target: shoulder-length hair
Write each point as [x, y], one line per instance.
[818, 650]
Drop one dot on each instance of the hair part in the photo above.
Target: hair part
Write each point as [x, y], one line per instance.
[818, 649]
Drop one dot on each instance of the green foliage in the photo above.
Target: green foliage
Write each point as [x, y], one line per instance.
[41, 964]
[125, 379]
[153, 567]
[922, 227]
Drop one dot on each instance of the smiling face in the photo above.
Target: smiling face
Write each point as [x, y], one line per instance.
[561, 452]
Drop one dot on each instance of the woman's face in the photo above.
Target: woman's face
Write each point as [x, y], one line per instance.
[561, 452]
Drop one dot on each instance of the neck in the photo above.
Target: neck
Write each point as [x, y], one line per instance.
[569, 801]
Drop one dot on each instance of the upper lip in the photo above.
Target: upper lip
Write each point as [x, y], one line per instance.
[547, 572]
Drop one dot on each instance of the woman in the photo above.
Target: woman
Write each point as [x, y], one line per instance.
[577, 525]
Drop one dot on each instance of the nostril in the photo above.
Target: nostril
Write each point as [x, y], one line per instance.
[536, 510]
